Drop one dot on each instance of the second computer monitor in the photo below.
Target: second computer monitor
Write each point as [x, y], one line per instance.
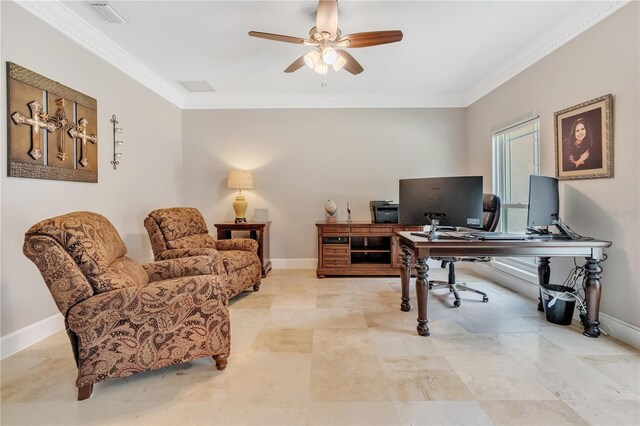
[544, 204]
[455, 201]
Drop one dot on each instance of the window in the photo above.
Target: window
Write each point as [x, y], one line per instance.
[516, 155]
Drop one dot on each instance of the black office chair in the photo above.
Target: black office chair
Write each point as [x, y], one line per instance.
[491, 216]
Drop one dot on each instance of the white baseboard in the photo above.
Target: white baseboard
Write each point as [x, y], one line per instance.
[29, 335]
[294, 263]
[620, 330]
[527, 284]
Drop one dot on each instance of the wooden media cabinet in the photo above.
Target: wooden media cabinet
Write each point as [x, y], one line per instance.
[359, 248]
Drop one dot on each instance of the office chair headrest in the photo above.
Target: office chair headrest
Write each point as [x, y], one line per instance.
[491, 210]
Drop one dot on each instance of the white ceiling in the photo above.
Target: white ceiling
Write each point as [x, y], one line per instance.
[452, 53]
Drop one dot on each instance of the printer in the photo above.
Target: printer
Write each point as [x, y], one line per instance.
[383, 212]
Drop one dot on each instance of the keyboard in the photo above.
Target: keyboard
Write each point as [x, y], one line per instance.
[498, 236]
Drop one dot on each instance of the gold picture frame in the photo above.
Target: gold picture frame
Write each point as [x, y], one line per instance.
[584, 140]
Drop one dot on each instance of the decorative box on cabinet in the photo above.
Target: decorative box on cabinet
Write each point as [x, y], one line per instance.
[359, 248]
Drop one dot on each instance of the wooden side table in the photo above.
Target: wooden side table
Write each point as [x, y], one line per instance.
[258, 231]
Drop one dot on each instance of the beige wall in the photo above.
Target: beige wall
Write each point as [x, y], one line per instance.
[302, 158]
[602, 60]
[148, 177]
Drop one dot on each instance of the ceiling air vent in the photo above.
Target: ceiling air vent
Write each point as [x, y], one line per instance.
[108, 12]
[197, 86]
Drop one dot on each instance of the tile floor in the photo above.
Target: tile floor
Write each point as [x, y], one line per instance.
[338, 351]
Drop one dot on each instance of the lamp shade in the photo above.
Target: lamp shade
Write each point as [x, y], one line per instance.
[240, 179]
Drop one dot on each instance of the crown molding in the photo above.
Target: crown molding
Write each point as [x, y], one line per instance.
[56, 14]
[220, 101]
[585, 17]
[63, 19]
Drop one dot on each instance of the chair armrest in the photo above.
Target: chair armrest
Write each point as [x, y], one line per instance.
[218, 268]
[95, 316]
[186, 252]
[242, 244]
[181, 267]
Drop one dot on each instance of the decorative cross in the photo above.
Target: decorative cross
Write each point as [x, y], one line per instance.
[61, 122]
[36, 124]
[80, 132]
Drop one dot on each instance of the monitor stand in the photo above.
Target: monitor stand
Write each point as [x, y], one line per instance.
[544, 233]
[565, 230]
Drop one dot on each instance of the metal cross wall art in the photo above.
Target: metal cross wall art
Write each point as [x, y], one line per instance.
[61, 122]
[36, 124]
[47, 154]
[80, 132]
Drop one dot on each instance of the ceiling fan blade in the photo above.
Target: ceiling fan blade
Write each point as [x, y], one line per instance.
[372, 38]
[296, 65]
[327, 16]
[351, 64]
[277, 37]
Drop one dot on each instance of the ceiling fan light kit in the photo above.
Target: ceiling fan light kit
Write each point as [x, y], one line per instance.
[329, 55]
[326, 37]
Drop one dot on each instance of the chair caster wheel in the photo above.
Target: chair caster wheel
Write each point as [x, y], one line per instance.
[456, 303]
[485, 299]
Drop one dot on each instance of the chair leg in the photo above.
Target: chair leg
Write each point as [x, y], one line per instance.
[221, 361]
[85, 392]
[454, 290]
[464, 287]
[454, 287]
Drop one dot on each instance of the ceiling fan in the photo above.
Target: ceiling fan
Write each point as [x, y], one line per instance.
[327, 39]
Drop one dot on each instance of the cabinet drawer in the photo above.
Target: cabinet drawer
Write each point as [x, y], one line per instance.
[335, 250]
[370, 230]
[335, 240]
[335, 262]
[335, 230]
[407, 228]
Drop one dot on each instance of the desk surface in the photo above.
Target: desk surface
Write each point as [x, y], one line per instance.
[425, 247]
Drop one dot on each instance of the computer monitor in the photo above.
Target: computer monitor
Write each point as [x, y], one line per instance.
[544, 206]
[454, 201]
[544, 201]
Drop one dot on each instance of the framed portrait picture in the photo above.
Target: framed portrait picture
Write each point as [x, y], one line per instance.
[584, 140]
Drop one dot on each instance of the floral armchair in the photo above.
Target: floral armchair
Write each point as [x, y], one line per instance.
[122, 317]
[182, 231]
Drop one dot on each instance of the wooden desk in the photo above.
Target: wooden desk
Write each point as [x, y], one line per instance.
[258, 231]
[422, 248]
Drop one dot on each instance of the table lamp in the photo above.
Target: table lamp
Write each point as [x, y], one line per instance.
[240, 179]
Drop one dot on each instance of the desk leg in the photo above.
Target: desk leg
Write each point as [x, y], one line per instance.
[405, 279]
[592, 290]
[422, 294]
[544, 272]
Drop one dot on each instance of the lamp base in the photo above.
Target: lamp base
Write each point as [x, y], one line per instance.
[240, 207]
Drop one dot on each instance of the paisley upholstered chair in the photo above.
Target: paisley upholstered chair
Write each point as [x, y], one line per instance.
[123, 317]
[182, 231]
